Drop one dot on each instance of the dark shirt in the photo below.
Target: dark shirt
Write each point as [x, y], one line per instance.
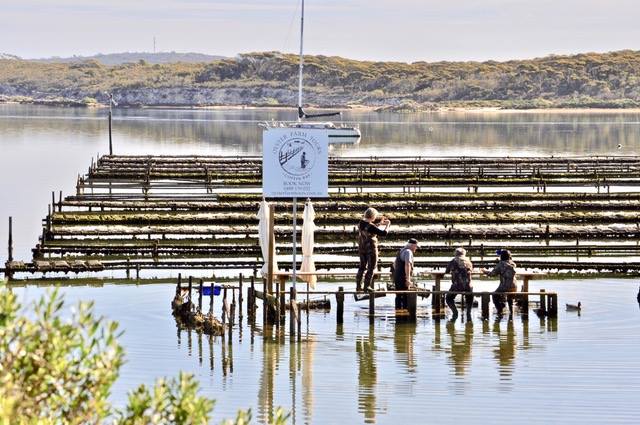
[400, 277]
[368, 236]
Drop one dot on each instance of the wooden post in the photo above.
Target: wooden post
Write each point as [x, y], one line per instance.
[292, 311]
[553, 305]
[137, 271]
[53, 200]
[232, 312]
[211, 300]
[49, 222]
[190, 288]
[525, 298]
[282, 290]
[543, 302]
[179, 284]
[60, 202]
[251, 299]
[240, 297]
[485, 306]
[437, 297]
[372, 305]
[224, 307]
[11, 239]
[412, 305]
[340, 305]
[128, 272]
[200, 296]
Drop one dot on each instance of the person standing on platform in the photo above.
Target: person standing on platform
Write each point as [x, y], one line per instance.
[403, 270]
[368, 232]
[460, 268]
[506, 269]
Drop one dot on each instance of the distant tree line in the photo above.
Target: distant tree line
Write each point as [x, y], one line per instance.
[270, 78]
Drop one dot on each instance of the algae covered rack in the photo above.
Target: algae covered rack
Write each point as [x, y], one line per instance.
[132, 213]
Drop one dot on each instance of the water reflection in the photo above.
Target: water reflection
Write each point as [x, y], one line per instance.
[505, 350]
[367, 376]
[403, 343]
[460, 346]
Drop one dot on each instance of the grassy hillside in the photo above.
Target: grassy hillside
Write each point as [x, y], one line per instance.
[584, 80]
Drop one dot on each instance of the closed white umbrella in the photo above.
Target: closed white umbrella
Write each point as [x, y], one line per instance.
[263, 236]
[308, 229]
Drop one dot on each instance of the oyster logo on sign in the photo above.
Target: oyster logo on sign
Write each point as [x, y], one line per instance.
[295, 162]
[297, 157]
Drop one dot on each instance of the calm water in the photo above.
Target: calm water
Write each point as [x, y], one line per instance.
[580, 369]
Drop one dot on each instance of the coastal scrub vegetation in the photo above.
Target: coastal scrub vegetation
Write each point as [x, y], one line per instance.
[58, 367]
[270, 78]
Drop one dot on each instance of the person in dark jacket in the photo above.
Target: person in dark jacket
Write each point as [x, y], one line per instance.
[506, 269]
[460, 268]
[403, 270]
[368, 232]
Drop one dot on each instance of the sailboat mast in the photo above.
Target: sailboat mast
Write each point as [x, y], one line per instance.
[301, 61]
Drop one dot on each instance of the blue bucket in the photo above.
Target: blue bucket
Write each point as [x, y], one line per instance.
[206, 290]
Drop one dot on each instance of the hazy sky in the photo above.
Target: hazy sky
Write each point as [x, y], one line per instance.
[403, 30]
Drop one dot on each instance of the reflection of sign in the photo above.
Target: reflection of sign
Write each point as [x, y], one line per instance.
[295, 163]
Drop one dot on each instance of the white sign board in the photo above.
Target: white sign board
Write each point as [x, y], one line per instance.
[295, 163]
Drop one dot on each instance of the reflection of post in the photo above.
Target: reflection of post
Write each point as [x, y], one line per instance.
[270, 352]
[307, 379]
[506, 351]
[403, 339]
[367, 376]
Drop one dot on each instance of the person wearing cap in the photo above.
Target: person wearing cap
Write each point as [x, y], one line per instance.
[460, 268]
[506, 269]
[368, 232]
[403, 270]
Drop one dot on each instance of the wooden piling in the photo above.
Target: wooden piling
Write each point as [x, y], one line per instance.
[211, 299]
[293, 311]
[372, 305]
[10, 244]
[412, 305]
[436, 301]
[251, 299]
[200, 295]
[179, 284]
[525, 298]
[190, 288]
[224, 307]
[340, 305]
[240, 297]
[553, 305]
[485, 305]
[543, 302]
[60, 202]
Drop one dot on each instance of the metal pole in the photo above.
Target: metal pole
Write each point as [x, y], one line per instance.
[110, 115]
[301, 62]
[295, 225]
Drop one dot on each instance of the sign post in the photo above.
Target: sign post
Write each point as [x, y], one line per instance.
[295, 164]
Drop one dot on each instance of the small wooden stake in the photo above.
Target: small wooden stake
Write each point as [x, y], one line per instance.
[543, 302]
[340, 305]
[200, 296]
[372, 305]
